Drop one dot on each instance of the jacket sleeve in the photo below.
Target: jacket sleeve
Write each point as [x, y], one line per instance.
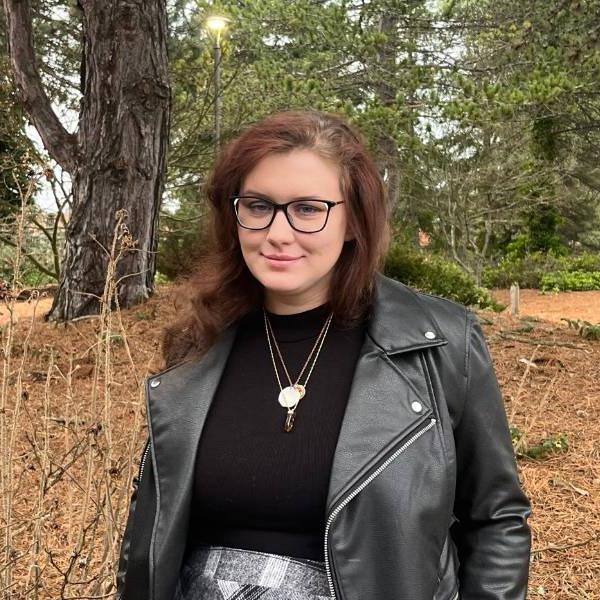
[126, 542]
[492, 536]
[132, 568]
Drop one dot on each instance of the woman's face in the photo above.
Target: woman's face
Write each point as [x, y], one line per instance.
[302, 283]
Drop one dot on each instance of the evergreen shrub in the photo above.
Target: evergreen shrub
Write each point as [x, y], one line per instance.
[570, 280]
[436, 275]
[529, 270]
[178, 247]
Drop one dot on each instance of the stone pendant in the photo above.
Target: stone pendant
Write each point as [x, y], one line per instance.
[291, 395]
[289, 421]
[289, 398]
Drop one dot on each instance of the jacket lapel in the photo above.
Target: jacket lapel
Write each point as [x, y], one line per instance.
[178, 400]
[386, 402]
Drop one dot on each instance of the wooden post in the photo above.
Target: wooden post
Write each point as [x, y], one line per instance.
[514, 299]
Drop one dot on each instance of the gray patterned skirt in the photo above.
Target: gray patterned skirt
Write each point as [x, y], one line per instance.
[220, 573]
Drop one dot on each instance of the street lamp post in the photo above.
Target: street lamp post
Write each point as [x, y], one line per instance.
[216, 25]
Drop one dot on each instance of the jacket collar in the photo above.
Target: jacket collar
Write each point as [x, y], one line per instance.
[400, 322]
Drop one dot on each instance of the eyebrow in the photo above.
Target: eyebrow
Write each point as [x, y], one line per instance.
[266, 196]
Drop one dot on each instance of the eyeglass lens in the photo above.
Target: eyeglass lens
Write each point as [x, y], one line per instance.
[305, 215]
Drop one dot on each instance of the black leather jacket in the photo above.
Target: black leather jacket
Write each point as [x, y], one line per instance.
[424, 500]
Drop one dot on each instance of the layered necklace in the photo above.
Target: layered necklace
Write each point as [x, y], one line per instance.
[290, 396]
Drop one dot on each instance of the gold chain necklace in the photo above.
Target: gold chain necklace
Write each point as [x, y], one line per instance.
[290, 396]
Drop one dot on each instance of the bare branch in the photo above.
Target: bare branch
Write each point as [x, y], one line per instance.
[61, 144]
[28, 256]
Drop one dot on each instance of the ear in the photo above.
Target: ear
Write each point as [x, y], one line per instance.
[349, 236]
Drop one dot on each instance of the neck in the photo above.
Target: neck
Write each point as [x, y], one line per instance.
[289, 306]
[291, 303]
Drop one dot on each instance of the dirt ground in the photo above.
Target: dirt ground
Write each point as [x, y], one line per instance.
[549, 377]
[554, 306]
[548, 306]
[24, 309]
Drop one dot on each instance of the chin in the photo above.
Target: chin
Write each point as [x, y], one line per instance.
[281, 283]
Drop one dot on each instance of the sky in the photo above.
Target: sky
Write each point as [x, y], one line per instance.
[45, 198]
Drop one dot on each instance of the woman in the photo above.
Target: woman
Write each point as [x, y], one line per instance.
[320, 430]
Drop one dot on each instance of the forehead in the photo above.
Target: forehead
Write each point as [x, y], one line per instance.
[293, 174]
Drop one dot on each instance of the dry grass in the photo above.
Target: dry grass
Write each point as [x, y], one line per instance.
[75, 411]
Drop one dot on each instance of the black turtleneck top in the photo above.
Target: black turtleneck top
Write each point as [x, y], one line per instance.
[256, 486]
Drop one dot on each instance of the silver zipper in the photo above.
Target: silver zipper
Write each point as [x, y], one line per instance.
[143, 461]
[361, 487]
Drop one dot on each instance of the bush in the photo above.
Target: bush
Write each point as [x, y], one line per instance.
[549, 445]
[574, 280]
[30, 277]
[436, 275]
[528, 271]
[585, 329]
[179, 245]
[586, 261]
[525, 271]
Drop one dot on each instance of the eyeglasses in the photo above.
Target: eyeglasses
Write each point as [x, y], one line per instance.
[306, 216]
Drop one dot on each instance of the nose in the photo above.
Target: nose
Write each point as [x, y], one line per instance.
[280, 230]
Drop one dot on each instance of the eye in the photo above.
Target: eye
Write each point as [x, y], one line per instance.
[309, 208]
[257, 205]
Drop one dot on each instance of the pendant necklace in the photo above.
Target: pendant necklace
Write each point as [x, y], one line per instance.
[290, 396]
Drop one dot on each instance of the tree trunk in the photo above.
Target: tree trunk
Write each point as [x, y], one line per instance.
[386, 92]
[118, 159]
[123, 133]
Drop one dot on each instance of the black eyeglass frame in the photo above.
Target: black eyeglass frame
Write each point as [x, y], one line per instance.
[284, 207]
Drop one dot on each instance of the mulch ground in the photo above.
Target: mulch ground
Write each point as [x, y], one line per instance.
[550, 378]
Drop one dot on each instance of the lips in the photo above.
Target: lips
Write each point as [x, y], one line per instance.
[281, 257]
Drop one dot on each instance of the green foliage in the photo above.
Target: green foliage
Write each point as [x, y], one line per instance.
[434, 274]
[570, 280]
[480, 115]
[541, 235]
[180, 239]
[32, 277]
[29, 278]
[525, 89]
[161, 278]
[468, 152]
[141, 315]
[116, 339]
[368, 62]
[586, 261]
[552, 444]
[585, 329]
[17, 154]
[528, 270]
[542, 225]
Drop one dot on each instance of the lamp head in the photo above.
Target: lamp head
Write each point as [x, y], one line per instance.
[216, 24]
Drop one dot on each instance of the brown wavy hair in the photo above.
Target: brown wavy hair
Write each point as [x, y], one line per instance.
[220, 288]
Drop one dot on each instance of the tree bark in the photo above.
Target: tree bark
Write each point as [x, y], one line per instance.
[117, 157]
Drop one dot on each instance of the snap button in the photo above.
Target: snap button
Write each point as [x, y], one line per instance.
[155, 383]
[430, 335]
[417, 406]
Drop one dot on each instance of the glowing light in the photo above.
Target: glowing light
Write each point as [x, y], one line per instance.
[216, 23]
